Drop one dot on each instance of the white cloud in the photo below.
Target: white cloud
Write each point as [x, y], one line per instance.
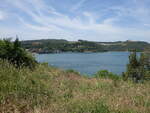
[78, 5]
[35, 27]
[2, 15]
[51, 23]
[147, 25]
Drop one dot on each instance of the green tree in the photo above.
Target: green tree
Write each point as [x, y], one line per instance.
[145, 64]
[15, 54]
[133, 67]
[138, 68]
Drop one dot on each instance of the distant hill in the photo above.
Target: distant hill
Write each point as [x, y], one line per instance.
[61, 45]
[125, 45]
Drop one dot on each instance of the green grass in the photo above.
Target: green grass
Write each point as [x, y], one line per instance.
[51, 90]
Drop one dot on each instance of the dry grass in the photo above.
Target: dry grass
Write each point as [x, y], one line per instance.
[51, 90]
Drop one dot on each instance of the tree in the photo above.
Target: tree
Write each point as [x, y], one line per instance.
[145, 64]
[17, 43]
[15, 54]
[132, 67]
[137, 67]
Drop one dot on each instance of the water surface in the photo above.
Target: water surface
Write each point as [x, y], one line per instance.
[88, 63]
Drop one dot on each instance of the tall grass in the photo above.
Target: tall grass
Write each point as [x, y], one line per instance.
[51, 90]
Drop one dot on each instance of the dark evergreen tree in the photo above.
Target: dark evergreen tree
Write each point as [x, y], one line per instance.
[137, 68]
[132, 67]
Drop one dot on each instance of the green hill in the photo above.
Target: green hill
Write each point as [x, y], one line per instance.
[57, 46]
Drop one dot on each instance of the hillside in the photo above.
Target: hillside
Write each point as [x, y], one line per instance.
[57, 46]
[51, 90]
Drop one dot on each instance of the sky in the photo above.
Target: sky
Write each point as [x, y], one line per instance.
[94, 20]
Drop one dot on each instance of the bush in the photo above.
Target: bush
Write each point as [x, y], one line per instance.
[15, 54]
[72, 71]
[106, 74]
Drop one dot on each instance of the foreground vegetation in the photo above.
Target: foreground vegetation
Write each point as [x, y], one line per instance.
[48, 90]
[29, 87]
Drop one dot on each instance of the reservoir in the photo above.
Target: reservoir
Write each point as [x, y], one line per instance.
[88, 63]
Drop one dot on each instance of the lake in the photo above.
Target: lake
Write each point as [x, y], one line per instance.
[88, 63]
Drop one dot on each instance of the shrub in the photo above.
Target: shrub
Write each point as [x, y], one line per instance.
[15, 54]
[106, 74]
[72, 71]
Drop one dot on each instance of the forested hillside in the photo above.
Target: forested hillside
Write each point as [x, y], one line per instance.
[57, 46]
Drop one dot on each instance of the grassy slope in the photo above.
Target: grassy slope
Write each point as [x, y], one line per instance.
[48, 90]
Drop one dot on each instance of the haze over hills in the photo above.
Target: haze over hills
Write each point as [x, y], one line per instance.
[61, 45]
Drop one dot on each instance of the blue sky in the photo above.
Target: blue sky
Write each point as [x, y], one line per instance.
[95, 20]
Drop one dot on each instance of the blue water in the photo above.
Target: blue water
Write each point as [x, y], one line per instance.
[88, 63]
